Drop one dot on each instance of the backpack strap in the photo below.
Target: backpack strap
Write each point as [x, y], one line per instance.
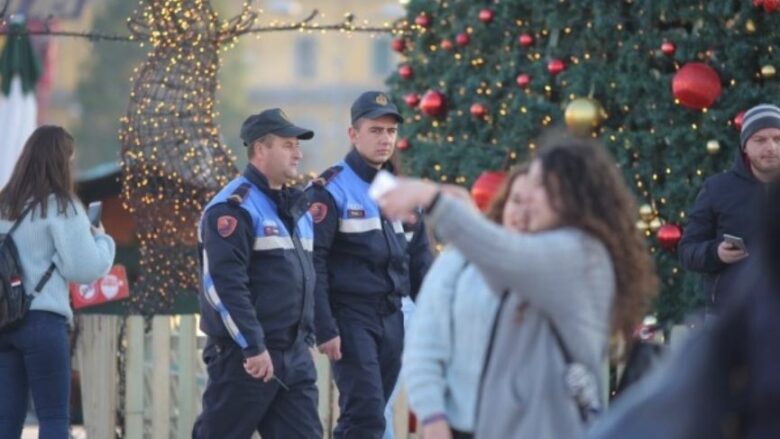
[18, 221]
[49, 271]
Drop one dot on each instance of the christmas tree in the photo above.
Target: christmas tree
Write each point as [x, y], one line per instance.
[662, 84]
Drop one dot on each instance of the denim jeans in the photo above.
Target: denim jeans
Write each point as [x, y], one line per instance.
[34, 358]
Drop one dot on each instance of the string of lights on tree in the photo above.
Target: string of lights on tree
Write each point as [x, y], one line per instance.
[663, 84]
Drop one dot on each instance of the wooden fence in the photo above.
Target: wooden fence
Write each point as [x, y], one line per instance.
[164, 378]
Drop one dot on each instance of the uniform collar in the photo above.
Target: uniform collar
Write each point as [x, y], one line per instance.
[365, 171]
[260, 181]
[285, 198]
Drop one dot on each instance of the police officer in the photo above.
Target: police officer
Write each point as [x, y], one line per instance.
[365, 264]
[257, 305]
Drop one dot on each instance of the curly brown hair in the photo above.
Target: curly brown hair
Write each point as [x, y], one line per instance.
[495, 210]
[588, 193]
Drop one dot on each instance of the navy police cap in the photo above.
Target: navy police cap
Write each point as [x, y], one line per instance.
[272, 121]
[373, 105]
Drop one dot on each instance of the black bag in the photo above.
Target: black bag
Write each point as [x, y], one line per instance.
[14, 300]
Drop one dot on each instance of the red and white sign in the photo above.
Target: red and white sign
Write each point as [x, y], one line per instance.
[109, 288]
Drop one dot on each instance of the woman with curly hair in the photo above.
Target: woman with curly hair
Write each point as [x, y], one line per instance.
[581, 272]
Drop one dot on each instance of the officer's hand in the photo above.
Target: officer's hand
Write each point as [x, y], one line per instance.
[331, 348]
[437, 430]
[730, 254]
[260, 366]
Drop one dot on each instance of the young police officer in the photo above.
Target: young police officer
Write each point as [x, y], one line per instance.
[364, 264]
[257, 305]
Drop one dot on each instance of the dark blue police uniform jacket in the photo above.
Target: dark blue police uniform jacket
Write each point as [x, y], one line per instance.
[361, 257]
[258, 273]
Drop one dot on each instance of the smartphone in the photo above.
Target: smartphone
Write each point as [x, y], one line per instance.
[383, 183]
[94, 212]
[735, 241]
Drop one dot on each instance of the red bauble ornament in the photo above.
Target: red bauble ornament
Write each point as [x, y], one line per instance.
[485, 187]
[696, 85]
[669, 236]
[668, 48]
[486, 15]
[423, 20]
[758, 3]
[433, 103]
[478, 110]
[524, 80]
[412, 99]
[403, 144]
[738, 119]
[526, 40]
[446, 44]
[771, 6]
[399, 45]
[556, 66]
[463, 39]
[405, 71]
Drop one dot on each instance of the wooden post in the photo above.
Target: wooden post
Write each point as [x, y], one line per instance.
[324, 381]
[161, 377]
[97, 353]
[187, 386]
[401, 414]
[134, 378]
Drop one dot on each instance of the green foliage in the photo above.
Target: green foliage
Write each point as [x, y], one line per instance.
[612, 52]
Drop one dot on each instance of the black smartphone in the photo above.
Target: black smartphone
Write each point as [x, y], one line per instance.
[94, 212]
[735, 241]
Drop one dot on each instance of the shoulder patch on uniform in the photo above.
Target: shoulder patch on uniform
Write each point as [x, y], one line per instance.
[226, 225]
[318, 212]
[328, 176]
[239, 195]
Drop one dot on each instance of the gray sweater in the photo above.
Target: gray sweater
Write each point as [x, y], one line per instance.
[445, 345]
[67, 240]
[565, 276]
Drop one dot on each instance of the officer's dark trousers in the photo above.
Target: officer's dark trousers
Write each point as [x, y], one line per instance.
[371, 345]
[235, 405]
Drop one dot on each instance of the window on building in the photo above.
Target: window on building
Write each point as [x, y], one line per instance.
[381, 57]
[305, 57]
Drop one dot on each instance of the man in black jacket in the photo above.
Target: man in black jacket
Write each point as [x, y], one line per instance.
[727, 205]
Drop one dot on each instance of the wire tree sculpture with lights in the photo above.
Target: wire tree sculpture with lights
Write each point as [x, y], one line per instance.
[173, 159]
[660, 83]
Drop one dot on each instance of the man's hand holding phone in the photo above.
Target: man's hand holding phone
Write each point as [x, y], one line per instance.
[732, 249]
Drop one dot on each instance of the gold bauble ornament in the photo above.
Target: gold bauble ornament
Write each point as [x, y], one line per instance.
[646, 212]
[713, 147]
[768, 71]
[643, 226]
[750, 26]
[584, 114]
[656, 224]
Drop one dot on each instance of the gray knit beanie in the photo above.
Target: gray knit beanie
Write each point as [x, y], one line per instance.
[756, 119]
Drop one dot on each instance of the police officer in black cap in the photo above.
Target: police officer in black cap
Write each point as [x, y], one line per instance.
[257, 304]
[365, 264]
